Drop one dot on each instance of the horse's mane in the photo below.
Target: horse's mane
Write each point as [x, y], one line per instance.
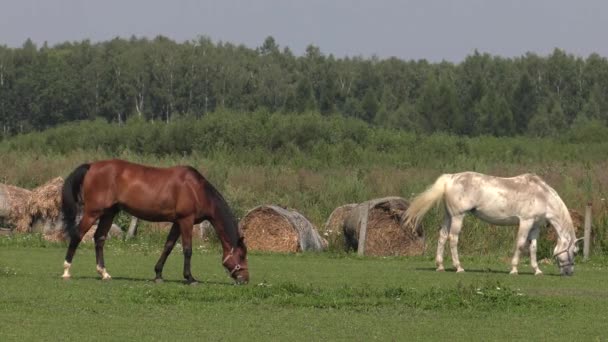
[564, 214]
[223, 209]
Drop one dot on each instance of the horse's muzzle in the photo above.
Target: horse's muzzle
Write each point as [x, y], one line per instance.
[567, 271]
[241, 280]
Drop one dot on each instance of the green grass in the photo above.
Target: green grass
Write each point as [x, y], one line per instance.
[291, 297]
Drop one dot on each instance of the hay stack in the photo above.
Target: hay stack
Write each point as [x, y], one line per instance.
[385, 234]
[13, 206]
[45, 200]
[22, 207]
[276, 229]
[335, 223]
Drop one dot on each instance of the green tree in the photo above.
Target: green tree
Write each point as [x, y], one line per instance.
[549, 119]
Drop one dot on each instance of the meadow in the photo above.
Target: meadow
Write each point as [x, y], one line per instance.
[325, 296]
[313, 164]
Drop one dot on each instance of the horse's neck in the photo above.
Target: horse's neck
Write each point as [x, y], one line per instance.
[561, 220]
[223, 224]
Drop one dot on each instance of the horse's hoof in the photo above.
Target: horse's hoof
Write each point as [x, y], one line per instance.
[192, 282]
[538, 273]
[158, 280]
[513, 273]
[460, 270]
[66, 277]
[106, 278]
[440, 269]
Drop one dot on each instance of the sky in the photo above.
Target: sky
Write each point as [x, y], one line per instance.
[424, 29]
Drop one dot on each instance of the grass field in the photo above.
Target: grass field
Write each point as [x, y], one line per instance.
[292, 297]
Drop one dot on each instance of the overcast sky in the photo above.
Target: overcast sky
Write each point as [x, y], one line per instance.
[429, 29]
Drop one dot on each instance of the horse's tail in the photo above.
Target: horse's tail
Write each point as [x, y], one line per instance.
[423, 202]
[69, 199]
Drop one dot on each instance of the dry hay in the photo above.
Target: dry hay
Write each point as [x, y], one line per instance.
[334, 227]
[13, 204]
[22, 207]
[385, 234]
[45, 200]
[276, 229]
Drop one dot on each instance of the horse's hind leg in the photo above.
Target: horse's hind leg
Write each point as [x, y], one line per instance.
[169, 244]
[105, 223]
[520, 243]
[533, 237]
[455, 227]
[85, 224]
[443, 237]
[185, 226]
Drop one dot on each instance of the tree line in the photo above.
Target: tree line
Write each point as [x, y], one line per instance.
[161, 80]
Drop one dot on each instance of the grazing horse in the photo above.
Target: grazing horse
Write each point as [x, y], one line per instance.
[525, 200]
[177, 194]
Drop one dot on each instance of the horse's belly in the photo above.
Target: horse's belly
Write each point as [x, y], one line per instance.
[157, 215]
[501, 219]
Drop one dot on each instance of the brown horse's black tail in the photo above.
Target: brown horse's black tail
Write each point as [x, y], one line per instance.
[69, 199]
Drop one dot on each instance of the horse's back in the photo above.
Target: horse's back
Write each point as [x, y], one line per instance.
[152, 193]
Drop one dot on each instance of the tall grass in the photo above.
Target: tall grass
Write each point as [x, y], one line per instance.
[314, 163]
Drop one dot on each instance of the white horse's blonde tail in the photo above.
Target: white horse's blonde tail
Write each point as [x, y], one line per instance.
[423, 202]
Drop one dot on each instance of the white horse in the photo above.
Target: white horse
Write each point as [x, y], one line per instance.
[525, 200]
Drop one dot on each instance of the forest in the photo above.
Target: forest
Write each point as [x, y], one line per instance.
[162, 80]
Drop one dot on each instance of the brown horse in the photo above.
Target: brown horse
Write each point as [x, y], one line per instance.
[178, 194]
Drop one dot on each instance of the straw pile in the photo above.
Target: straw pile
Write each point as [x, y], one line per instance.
[386, 235]
[45, 200]
[275, 229]
[13, 206]
[40, 207]
[334, 227]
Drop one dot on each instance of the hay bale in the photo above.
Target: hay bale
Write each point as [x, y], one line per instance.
[45, 200]
[386, 234]
[276, 229]
[13, 206]
[23, 207]
[334, 226]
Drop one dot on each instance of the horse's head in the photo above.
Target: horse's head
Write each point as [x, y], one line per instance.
[235, 262]
[564, 253]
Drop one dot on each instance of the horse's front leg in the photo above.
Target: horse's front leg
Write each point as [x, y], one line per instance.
[455, 227]
[105, 223]
[533, 237]
[520, 243]
[169, 244]
[185, 226]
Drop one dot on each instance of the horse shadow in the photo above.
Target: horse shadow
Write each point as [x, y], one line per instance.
[485, 270]
[151, 281]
